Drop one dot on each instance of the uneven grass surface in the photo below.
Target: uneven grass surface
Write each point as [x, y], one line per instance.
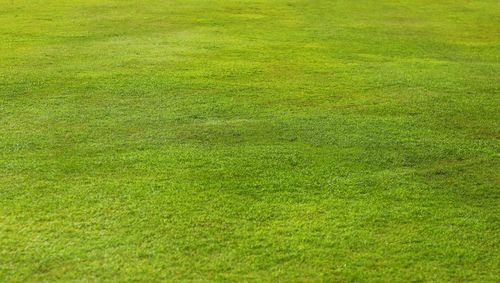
[298, 140]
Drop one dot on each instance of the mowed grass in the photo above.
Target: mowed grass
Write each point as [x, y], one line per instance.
[249, 140]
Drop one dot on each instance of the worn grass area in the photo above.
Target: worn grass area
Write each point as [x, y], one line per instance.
[249, 140]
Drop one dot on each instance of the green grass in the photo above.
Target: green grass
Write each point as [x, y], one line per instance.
[298, 140]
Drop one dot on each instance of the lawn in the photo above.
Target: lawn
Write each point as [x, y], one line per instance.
[235, 140]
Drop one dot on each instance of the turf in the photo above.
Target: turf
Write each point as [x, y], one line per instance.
[297, 140]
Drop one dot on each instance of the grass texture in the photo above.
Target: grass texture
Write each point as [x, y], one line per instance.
[250, 140]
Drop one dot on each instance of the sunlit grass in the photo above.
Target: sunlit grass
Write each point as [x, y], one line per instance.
[249, 140]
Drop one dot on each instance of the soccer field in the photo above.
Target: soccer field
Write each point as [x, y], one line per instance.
[249, 140]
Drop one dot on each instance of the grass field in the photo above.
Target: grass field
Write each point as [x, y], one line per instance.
[297, 140]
